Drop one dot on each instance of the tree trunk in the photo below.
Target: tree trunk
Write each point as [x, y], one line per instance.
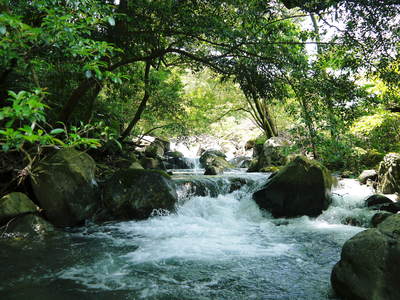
[73, 100]
[142, 105]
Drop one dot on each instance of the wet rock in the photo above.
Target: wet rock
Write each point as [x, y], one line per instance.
[213, 170]
[368, 174]
[28, 225]
[379, 218]
[134, 194]
[377, 199]
[152, 163]
[15, 204]
[300, 188]
[176, 160]
[241, 162]
[208, 157]
[155, 150]
[393, 207]
[65, 187]
[369, 264]
[389, 174]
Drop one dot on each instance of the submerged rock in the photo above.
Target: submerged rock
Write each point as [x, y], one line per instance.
[65, 187]
[389, 174]
[15, 204]
[300, 188]
[134, 194]
[369, 264]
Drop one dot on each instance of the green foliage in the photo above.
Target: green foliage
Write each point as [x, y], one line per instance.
[24, 122]
[379, 131]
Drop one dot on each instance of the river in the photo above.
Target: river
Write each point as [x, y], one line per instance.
[218, 246]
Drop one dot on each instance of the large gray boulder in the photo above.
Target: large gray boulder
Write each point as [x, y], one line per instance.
[369, 264]
[134, 194]
[389, 174]
[15, 204]
[300, 188]
[65, 187]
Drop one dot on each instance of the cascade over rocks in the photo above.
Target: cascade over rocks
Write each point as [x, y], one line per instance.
[389, 174]
[369, 264]
[65, 187]
[15, 204]
[134, 194]
[300, 188]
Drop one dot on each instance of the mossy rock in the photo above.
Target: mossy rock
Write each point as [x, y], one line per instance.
[136, 165]
[152, 163]
[29, 225]
[174, 154]
[369, 263]
[209, 156]
[302, 187]
[135, 194]
[65, 187]
[270, 169]
[15, 204]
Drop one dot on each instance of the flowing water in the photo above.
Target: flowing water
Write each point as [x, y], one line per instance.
[217, 246]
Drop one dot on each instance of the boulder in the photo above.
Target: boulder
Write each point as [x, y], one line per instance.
[377, 199]
[300, 188]
[271, 154]
[65, 187]
[134, 194]
[155, 150]
[389, 174]
[15, 204]
[369, 264]
[152, 163]
[379, 217]
[368, 174]
[209, 156]
[214, 162]
[213, 170]
[241, 161]
[29, 225]
[393, 207]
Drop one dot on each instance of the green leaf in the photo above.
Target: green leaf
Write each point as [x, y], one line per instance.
[3, 29]
[57, 131]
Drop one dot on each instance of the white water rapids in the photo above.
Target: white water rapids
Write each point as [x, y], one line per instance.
[220, 247]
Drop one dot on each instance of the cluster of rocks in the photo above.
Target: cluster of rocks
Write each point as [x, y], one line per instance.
[66, 193]
[368, 267]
